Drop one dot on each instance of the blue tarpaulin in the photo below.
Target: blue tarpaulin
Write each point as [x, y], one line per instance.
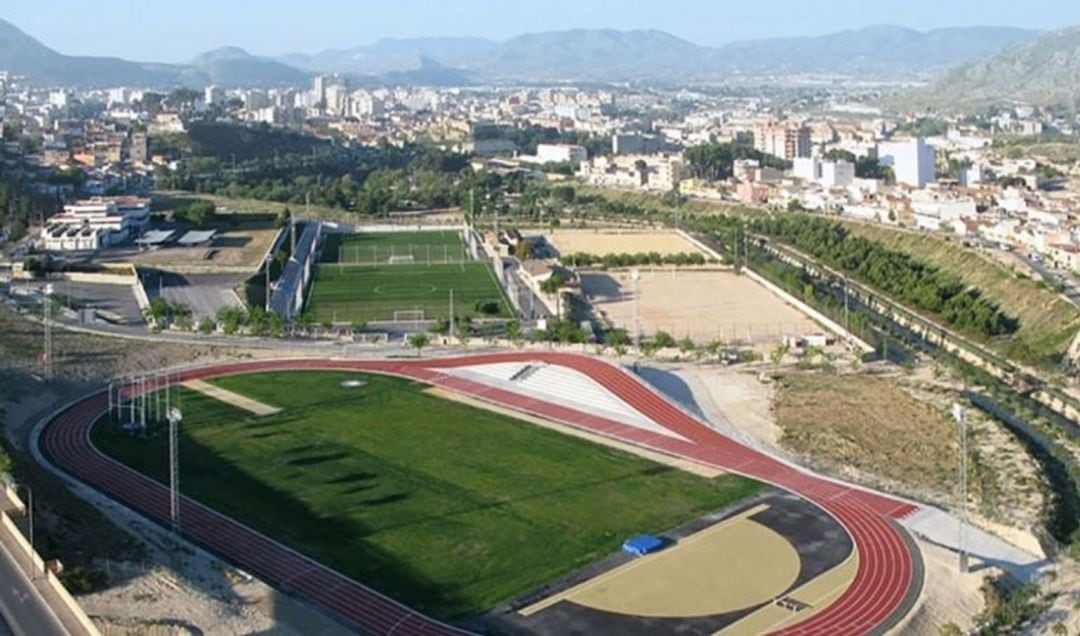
[642, 544]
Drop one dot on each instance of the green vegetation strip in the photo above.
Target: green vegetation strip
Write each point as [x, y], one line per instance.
[444, 506]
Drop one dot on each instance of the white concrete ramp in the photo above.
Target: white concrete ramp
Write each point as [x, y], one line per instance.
[942, 528]
[560, 385]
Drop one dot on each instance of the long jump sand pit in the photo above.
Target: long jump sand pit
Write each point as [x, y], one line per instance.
[229, 397]
[603, 241]
[704, 305]
[734, 565]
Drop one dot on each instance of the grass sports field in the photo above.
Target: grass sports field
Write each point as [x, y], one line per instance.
[446, 507]
[351, 293]
[362, 277]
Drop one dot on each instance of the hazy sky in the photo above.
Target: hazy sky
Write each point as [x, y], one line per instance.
[177, 30]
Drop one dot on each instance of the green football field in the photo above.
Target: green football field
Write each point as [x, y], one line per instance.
[446, 507]
[383, 248]
[351, 293]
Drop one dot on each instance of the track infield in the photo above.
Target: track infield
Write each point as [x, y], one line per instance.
[377, 479]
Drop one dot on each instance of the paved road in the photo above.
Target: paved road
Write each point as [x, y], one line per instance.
[22, 608]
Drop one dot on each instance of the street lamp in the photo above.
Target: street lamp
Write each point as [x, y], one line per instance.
[961, 423]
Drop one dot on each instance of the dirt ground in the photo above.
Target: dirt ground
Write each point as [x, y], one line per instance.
[858, 426]
[704, 305]
[948, 595]
[602, 241]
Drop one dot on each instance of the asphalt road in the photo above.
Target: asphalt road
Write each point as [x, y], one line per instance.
[23, 609]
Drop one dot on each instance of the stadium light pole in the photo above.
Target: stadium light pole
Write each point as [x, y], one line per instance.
[961, 423]
[451, 313]
[46, 314]
[174, 469]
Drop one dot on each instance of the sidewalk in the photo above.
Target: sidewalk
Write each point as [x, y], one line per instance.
[36, 602]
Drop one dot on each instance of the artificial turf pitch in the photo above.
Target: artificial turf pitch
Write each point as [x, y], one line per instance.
[359, 293]
[356, 281]
[443, 506]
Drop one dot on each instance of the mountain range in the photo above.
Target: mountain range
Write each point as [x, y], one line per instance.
[1044, 71]
[577, 54]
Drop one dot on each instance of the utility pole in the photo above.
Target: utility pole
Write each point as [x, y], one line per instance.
[174, 469]
[961, 422]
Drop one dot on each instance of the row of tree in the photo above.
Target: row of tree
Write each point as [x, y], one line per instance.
[896, 273]
[585, 259]
[370, 181]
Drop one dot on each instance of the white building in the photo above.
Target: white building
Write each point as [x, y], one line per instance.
[558, 153]
[94, 223]
[837, 174]
[806, 168]
[912, 161]
[213, 95]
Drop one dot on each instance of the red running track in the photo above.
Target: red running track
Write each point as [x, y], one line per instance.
[885, 569]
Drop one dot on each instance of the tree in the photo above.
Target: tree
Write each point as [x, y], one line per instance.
[776, 356]
[513, 332]
[206, 325]
[418, 341]
[200, 213]
[663, 340]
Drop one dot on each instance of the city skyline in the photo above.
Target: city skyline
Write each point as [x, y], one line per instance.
[176, 33]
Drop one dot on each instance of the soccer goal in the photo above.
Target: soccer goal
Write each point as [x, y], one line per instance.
[408, 315]
[401, 259]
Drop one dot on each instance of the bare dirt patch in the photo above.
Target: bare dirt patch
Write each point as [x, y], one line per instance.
[603, 241]
[894, 433]
[703, 305]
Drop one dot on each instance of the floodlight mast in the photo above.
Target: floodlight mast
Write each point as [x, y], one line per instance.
[175, 418]
[46, 316]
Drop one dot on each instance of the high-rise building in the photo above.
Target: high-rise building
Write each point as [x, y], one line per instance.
[213, 95]
[782, 139]
[911, 160]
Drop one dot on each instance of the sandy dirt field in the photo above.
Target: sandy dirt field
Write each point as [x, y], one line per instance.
[681, 581]
[603, 241]
[704, 305]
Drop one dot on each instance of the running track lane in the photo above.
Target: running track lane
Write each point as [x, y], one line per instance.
[885, 569]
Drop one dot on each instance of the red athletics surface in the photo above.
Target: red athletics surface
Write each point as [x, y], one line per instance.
[885, 568]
